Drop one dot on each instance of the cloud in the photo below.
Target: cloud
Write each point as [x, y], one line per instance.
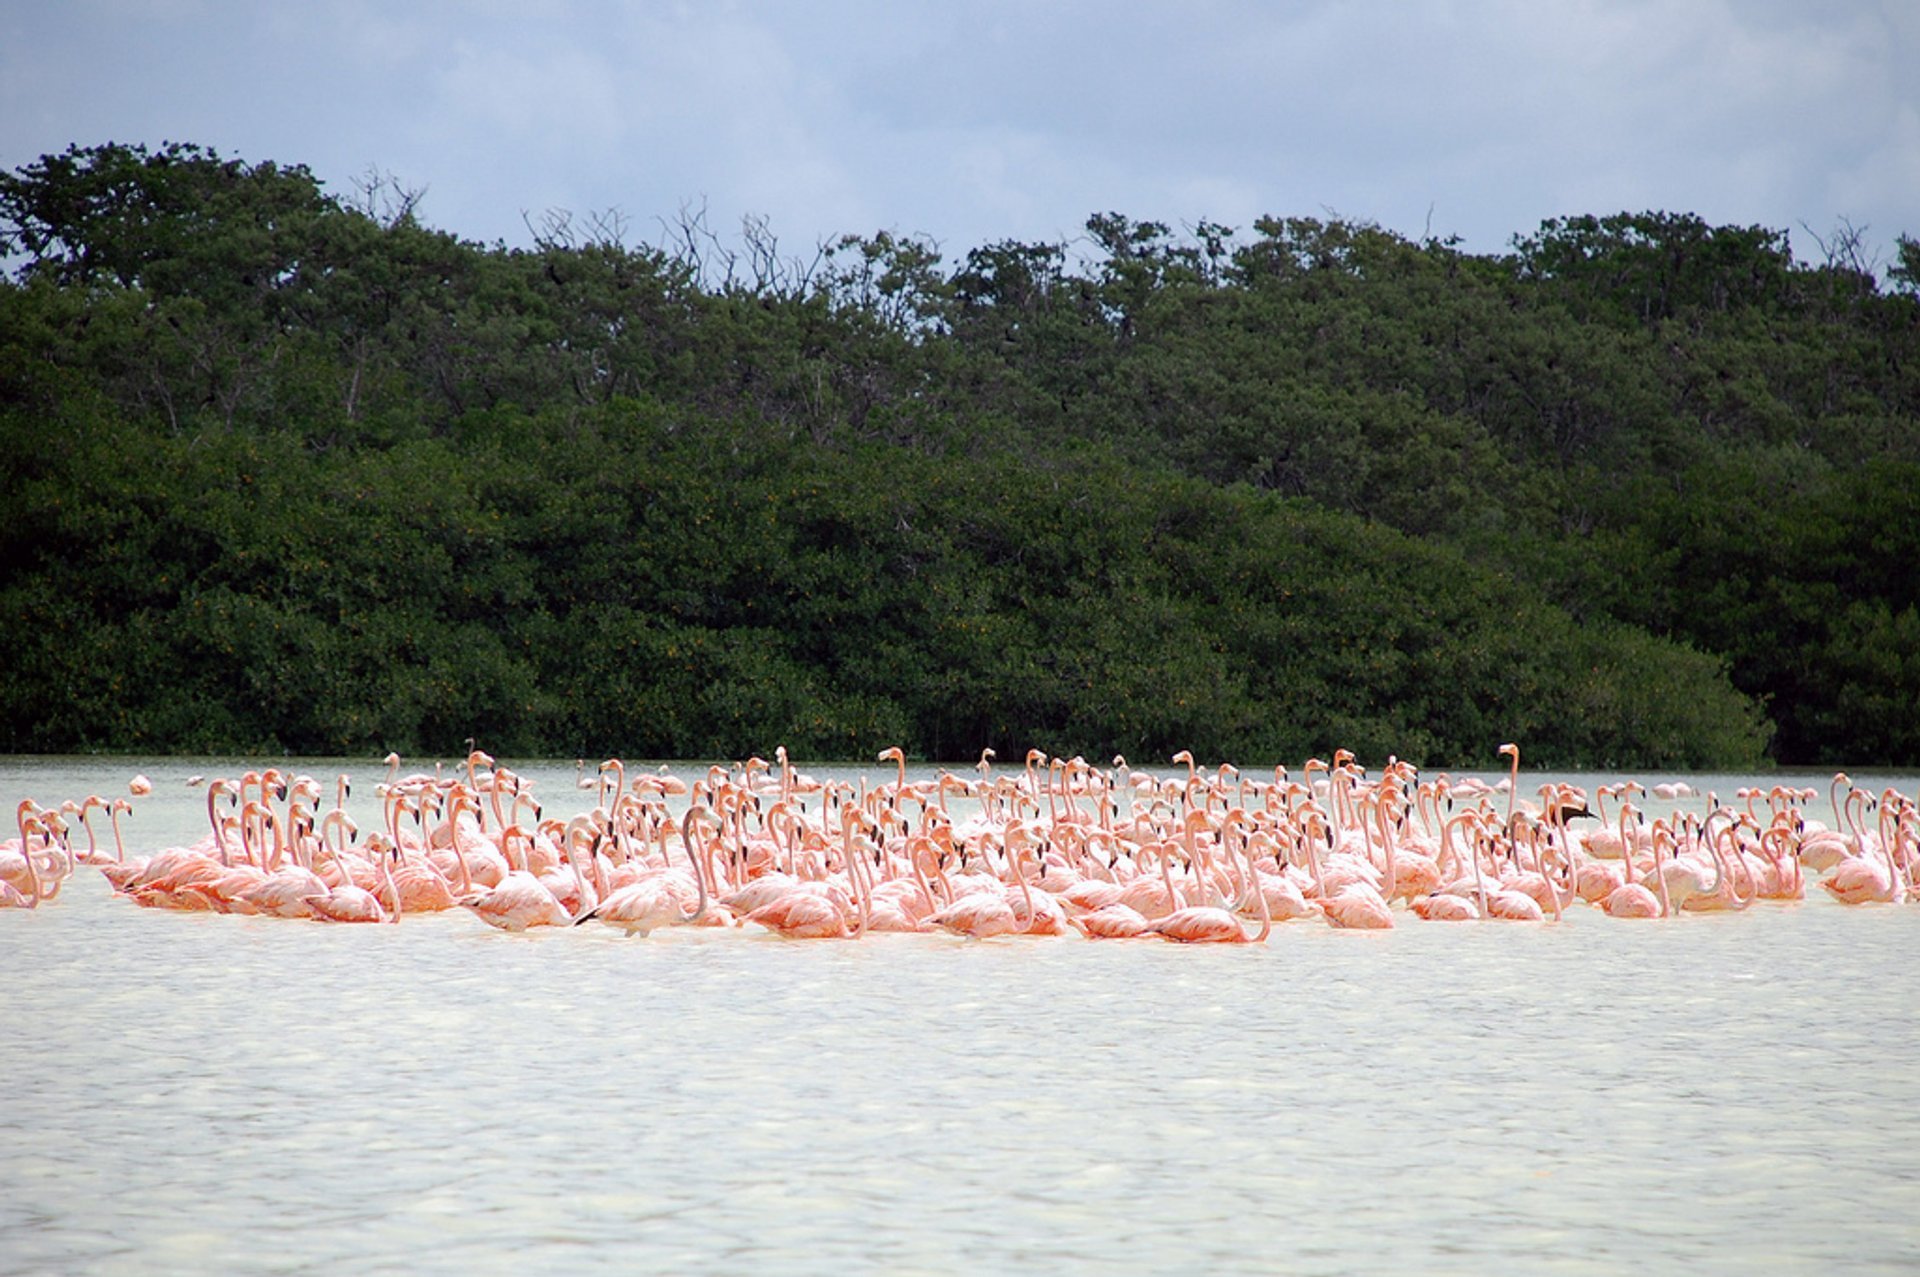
[984, 120]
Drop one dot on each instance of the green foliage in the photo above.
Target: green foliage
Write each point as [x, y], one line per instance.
[1647, 267]
[1905, 273]
[287, 473]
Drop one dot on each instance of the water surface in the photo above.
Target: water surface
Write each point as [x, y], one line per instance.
[191, 1092]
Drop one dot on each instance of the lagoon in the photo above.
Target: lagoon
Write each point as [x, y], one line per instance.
[194, 1092]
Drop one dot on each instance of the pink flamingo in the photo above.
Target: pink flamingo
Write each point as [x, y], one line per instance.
[1725, 893]
[1210, 924]
[653, 901]
[1498, 900]
[985, 913]
[17, 867]
[348, 903]
[1150, 897]
[1113, 921]
[1444, 906]
[520, 900]
[1866, 878]
[1355, 906]
[1784, 880]
[1631, 899]
[1285, 900]
[1414, 873]
[979, 915]
[1513, 778]
[1822, 849]
[1685, 869]
[1532, 883]
[809, 915]
[283, 891]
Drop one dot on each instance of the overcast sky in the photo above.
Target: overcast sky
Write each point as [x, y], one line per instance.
[973, 121]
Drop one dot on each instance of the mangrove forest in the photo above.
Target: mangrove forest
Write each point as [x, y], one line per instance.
[290, 470]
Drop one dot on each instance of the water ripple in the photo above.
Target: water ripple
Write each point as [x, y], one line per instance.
[196, 1093]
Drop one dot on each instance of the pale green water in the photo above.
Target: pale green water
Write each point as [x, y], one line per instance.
[211, 1093]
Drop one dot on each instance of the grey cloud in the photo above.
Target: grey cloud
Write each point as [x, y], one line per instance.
[985, 120]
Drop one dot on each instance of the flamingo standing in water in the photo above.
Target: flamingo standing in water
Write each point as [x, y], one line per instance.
[1513, 778]
[1823, 849]
[1210, 924]
[1284, 898]
[1027, 860]
[1866, 877]
[520, 900]
[349, 903]
[1358, 905]
[17, 867]
[988, 911]
[1112, 921]
[1631, 899]
[816, 915]
[978, 914]
[653, 901]
[419, 884]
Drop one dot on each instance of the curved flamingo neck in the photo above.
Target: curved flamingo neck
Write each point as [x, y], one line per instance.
[856, 865]
[1386, 848]
[24, 823]
[1661, 836]
[214, 790]
[1314, 828]
[113, 820]
[1259, 892]
[1163, 850]
[1513, 779]
[695, 854]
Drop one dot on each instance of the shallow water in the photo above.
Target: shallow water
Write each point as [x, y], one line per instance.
[202, 1092]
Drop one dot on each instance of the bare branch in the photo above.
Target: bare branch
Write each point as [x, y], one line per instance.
[383, 198]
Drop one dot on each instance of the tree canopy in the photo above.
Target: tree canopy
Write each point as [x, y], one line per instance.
[293, 471]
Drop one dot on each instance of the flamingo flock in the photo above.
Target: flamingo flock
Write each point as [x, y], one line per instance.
[1058, 847]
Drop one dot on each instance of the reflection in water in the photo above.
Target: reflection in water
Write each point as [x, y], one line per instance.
[208, 1092]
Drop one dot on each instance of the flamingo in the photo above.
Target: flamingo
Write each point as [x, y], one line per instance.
[349, 903]
[1823, 849]
[809, 915]
[17, 866]
[1039, 852]
[1210, 924]
[985, 912]
[1725, 893]
[1513, 777]
[1113, 921]
[653, 902]
[519, 900]
[979, 915]
[1866, 878]
[1284, 900]
[1356, 905]
[1631, 899]
[1444, 906]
